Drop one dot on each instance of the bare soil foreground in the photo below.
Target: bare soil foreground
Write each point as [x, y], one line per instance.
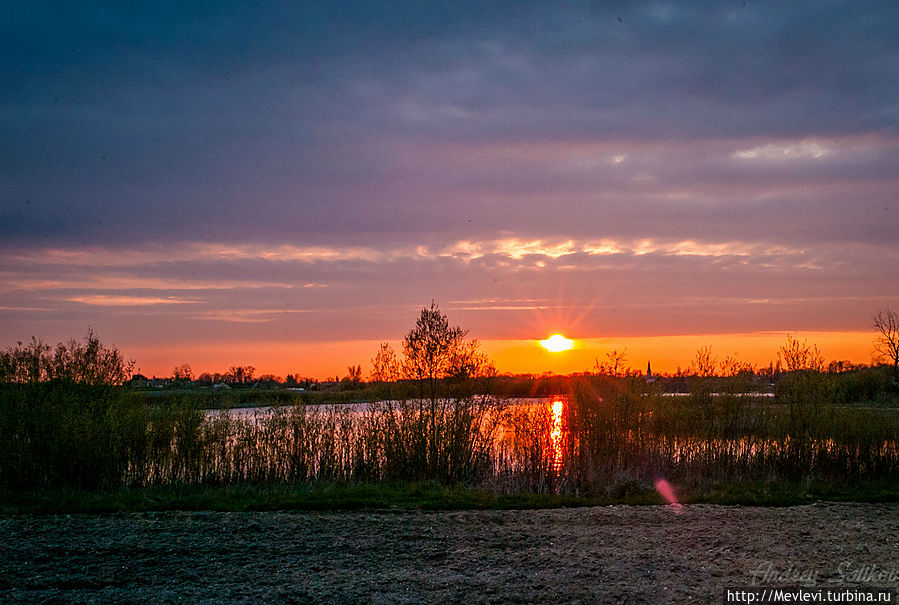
[642, 554]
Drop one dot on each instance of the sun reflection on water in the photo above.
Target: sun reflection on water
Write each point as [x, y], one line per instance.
[555, 434]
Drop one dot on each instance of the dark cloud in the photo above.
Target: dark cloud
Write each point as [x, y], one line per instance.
[149, 127]
[179, 115]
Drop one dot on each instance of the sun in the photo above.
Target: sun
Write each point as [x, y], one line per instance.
[557, 343]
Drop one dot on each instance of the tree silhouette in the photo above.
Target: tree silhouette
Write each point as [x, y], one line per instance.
[615, 364]
[241, 374]
[797, 355]
[354, 374]
[86, 362]
[183, 373]
[385, 367]
[434, 350]
[886, 343]
[704, 363]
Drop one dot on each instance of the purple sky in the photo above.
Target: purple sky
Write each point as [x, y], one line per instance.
[316, 172]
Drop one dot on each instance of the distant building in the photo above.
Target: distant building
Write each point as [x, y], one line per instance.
[649, 377]
[139, 381]
[159, 383]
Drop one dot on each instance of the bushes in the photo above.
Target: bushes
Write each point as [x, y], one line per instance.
[88, 362]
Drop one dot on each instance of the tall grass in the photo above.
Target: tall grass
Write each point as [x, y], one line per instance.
[621, 435]
[62, 433]
[447, 440]
[612, 437]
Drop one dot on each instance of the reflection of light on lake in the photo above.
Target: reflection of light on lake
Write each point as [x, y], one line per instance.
[555, 434]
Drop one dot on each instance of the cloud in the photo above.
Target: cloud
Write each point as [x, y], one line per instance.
[110, 300]
[308, 122]
[275, 285]
[142, 260]
[247, 315]
[315, 170]
[778, 152]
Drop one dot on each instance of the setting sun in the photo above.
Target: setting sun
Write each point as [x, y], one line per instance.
[557, 343]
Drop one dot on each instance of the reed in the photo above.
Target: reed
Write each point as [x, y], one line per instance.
[608, 438]
[619, 435]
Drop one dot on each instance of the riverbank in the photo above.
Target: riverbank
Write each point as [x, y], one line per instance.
[629, 554]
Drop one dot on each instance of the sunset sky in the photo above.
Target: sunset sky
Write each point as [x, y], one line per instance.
[285, 186]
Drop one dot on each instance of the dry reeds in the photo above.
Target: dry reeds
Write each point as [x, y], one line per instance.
[608, 436]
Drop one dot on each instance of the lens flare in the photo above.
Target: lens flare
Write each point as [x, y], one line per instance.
[666, 491]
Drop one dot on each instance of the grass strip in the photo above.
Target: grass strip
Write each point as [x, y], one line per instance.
[418, 496]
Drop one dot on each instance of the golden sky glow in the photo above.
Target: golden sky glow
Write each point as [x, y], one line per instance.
[666, 353]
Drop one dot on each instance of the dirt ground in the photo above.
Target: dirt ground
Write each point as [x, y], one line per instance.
[645, 554]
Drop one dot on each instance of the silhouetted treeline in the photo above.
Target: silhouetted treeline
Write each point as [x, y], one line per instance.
[86, 362]
[860, 385]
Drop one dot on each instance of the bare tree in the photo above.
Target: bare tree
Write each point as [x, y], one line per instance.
[354, 374]
[182, 373]
[797, 355]
[242, 374]
[731, 366]
[615, 364]
[704, 363]
[886, 342]
[385, 367]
